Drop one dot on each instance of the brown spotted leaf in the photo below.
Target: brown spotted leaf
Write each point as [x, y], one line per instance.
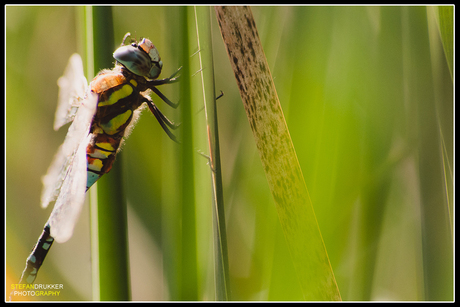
[277, 153]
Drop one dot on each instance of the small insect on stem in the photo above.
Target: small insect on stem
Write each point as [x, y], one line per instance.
[221, 94]
[202, 108]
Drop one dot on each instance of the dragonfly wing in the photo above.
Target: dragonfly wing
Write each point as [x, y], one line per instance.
[59, 169]
[71, 185]
[72, 89]
[53, 179]
[71, 198]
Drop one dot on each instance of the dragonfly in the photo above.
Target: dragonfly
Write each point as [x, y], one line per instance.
[103, 114]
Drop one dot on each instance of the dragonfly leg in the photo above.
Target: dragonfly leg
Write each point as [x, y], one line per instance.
[169, 80]
[124, 38]
[163, 97]
[162, 120]
[167, 121]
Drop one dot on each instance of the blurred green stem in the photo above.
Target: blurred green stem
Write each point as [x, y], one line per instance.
[437, 241]
[446, 25]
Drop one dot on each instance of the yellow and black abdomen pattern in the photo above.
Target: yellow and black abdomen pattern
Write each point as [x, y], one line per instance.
[117, 100]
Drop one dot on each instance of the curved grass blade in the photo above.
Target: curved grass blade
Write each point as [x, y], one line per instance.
[282, 169]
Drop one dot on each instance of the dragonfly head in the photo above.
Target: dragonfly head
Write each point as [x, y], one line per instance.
[142, 59]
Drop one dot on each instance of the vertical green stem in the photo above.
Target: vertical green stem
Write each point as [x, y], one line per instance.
[111, 223]
[188, 255]
[179, 226]
[436, 234]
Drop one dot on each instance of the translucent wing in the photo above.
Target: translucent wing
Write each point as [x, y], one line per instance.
[72, 89]
[65, 180]
[71, 198]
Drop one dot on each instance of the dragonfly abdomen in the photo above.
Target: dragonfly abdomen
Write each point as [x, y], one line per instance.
[117, 100]
[100, 156]
[36, 258]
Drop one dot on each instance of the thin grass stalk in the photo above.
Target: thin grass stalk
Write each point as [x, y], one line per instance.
[204, 38]
[111, 226]
[278, 157]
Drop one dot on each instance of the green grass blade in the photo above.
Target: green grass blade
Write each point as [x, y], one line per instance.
[204, 38]
[179, 226]
[189, 286]
[112, 245]
[437, 240]
[446, 25]
[87, 34]
[282, 169]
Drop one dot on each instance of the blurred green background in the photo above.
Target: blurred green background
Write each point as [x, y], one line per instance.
[368, 99]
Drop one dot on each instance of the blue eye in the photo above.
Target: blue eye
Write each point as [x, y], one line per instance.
[142, 60]
[135, 60]
[155, 70]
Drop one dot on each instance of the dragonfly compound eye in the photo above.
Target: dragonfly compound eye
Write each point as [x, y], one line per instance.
[135, 60]
[154, 55]
[155, 70]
